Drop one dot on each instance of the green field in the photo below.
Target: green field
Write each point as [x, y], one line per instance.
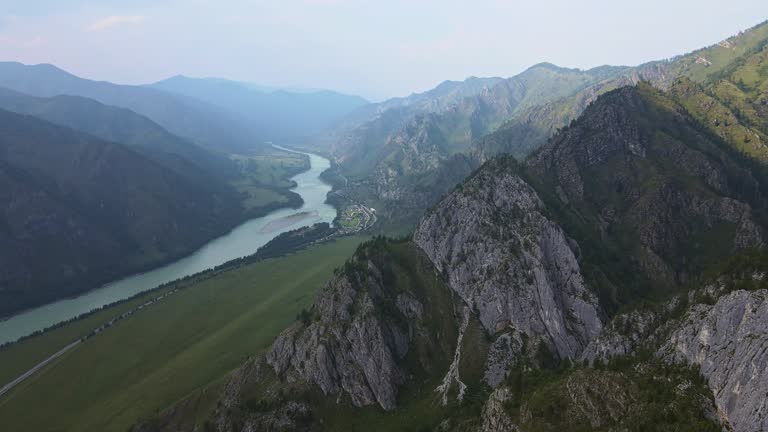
[145, 363]
[262, 177]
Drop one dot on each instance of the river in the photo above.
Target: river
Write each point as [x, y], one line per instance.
[241, 241]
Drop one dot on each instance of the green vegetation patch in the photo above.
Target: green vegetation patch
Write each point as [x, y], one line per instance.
[264, 179]
[629, 393]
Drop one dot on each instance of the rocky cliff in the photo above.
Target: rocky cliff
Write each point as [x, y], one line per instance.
[354, 342]
[728, 342]
[512, 265]
[348, 349]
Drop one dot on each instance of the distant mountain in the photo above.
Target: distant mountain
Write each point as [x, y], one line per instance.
[394, 160]
[705, 81]
[124, 126]
[372, 123]
[200, 122]
[433, 100]
[358, 141]
[730, 96]
[389, 158]
[78, 211]
[277, 114]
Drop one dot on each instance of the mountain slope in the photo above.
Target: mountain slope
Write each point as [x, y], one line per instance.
[733, 102]
[358, 141]
[389, 168]
[647, 181]
[589, 252]
[531, 127]
[195, 120]
[472, 115]
[277, 115]
[78, 211]
[125, 127]
[436, 99]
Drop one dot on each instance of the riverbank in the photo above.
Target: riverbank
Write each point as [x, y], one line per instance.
[280, 246]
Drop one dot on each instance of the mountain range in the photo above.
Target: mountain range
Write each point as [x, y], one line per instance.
[583, 250]
[389, 156]
[548, 294]
[278, 115]
[201, 123]
[124, 126]
[612, 279]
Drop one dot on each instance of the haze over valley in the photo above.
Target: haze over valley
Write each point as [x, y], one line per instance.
[260, 217]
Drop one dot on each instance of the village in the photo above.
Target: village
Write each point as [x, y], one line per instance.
[356, 218]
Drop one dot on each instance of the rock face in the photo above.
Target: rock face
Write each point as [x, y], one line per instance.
[728, 341]
[495, 417]
[511, 264]
[349, 348]
[621, 336]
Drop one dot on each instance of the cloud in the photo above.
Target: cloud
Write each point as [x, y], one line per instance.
[115, 20]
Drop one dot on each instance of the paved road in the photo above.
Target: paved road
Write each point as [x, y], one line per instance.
[6, 388]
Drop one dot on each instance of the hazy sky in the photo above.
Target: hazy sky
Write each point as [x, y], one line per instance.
[376, 48]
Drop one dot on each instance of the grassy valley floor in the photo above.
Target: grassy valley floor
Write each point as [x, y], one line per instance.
[264, 179]
[166, 351]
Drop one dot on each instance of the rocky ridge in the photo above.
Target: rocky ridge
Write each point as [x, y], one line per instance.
[728, 342]
[512, 265]
[355, 340]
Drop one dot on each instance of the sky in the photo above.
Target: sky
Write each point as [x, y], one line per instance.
[376, 49]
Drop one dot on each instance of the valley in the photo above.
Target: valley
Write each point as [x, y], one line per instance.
[555, 249]
[243, 240]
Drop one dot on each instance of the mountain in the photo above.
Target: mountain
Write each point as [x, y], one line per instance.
[389, 166]
[591, 286]
[703, 70]
[78, 211]
[444, 95]
[277, 114]
[388, 160]
[361, 131]
[731, 100]
[123, 126]
[197, 121]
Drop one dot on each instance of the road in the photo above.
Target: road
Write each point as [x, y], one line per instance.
[6, 388]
